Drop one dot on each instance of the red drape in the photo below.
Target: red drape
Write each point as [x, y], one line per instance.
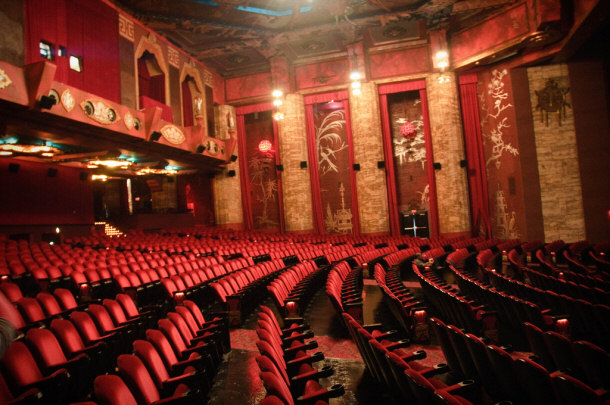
[246, 188]
[389, 159]
[243, 173]
[187, 105]
[386, 130]
[316, 199]
[352, 174]
[477, 179]
[433, 214]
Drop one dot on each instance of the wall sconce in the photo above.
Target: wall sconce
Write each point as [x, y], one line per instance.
[441, 61]
[355, 78]
[277, 103]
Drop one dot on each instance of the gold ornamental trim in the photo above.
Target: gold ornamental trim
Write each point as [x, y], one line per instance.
[99, 111]
[67, 100]
[173, 134]
[5, 81]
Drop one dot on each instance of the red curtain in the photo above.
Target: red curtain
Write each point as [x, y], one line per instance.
[318, 217]
[187, 105]
[341, 205]
[260, 210]
[477, 179]
[386, 129]
[243, 172]
[433, 214]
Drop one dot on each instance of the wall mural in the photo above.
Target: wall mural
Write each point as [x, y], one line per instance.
[499, 132]
[409, 151]
[333, 166]
[261, 170]
[499, 96]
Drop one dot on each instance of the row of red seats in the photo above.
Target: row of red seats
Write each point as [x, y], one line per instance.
[344, 286]
[399, 370]
[502, 376]
[285, 364]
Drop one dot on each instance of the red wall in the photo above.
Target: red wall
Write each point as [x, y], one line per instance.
[86, 29]
[30, 196]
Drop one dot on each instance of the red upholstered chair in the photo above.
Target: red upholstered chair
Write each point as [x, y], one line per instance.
[22, 374]
[66, 299]
[141, 384]
[536, 383]
[184, 348]
[31, 310]
[574, 392]
[46, 348]
[11, 290]
[49, 304]
[73, 345]
[160, 373]
[111, 390]
[91, 335]
[174, 364]
[31, 396]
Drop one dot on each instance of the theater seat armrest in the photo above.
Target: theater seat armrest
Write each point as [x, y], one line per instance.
[417, 355]
[318, 356]
[441, 368]
[321, 394]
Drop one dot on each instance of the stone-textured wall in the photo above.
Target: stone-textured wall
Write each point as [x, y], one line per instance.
[12, 45]
[368, 150]
[448, 150]
[560, 187]
[228, 208]
[166, 198]
[296, 184]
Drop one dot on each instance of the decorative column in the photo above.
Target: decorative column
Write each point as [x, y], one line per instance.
[448, 150]
[227, 188]
[368, 150]
[296, 184]
[557, 153]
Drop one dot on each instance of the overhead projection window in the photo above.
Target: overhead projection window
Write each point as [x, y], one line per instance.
[46, 50]
[76, 63]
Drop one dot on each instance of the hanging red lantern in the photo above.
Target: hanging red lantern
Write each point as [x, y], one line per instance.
[407, 129]
[265, 146]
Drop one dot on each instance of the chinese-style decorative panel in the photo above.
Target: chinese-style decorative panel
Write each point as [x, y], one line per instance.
[262, 175]
[501, 153]
[332, 149]
[409, 151]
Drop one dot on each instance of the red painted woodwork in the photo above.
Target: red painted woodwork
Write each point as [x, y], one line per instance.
[497, 31]
[68, 23]
[400, 62]
[248, 86]
[322, 74]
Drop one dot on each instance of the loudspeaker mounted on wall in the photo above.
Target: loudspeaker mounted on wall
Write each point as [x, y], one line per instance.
[52, 172]
[84, 176]
[437, 165]
[303, 165]
[463, 163]
[233, 158]
[280, 168]
[13, 167]
[200, 149]
[231, 173]
[46, 102]
[170, 179]
[155, 136]
[356, 166]
[381, 164]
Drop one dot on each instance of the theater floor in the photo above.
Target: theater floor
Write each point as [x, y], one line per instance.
[237, 381]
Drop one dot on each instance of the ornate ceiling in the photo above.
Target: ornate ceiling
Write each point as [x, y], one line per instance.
[239, 36]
